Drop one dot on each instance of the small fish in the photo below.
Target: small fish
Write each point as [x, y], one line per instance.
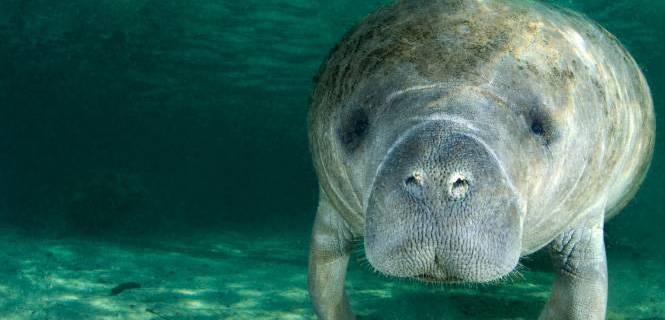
[124, 286]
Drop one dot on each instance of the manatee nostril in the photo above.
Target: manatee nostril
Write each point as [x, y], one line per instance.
[458, 187]
[414, 184]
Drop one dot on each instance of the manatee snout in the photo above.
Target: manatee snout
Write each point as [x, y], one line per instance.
[442, 209]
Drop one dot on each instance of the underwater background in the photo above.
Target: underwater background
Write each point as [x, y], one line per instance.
[154, 165]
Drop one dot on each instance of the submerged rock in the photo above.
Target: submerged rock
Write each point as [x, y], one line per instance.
[124, 286]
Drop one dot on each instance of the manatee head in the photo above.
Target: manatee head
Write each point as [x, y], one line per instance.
[426, 131]
[439, 205]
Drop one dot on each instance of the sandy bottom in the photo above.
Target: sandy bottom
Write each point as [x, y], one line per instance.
[235, 276]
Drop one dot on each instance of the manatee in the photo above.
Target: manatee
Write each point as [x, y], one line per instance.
[453, 137]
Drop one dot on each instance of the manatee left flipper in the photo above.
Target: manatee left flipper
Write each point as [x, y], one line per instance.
[580, 264]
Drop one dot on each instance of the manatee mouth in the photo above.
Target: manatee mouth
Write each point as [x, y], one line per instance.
[433, 279]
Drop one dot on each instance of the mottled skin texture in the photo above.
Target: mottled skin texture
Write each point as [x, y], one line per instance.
[456, 136]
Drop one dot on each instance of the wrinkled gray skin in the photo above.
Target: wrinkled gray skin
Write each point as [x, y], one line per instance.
[458, 135]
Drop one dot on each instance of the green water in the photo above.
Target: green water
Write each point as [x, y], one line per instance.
[164, 143]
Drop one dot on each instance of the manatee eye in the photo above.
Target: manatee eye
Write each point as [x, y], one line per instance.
[353, 128]
[543, 126]
[537, 127]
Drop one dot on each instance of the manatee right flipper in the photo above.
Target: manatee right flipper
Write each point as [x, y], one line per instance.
[330, 250]
[580, 264]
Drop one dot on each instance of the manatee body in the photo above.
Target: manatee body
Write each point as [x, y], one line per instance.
[456, 136]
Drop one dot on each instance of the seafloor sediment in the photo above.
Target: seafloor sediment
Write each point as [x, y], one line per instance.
[236, 275]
